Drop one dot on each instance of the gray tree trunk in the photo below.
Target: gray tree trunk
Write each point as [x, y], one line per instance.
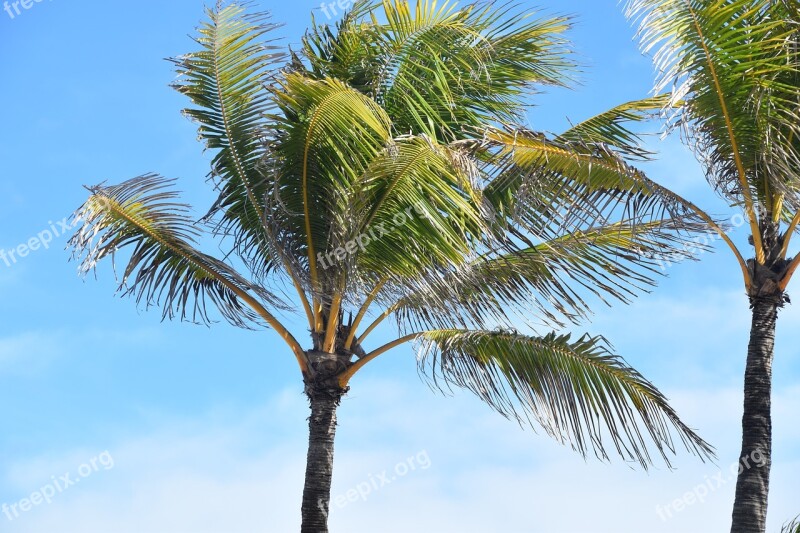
[319, 466]
[755, 460]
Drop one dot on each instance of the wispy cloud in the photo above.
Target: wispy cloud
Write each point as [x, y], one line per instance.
[242, 471]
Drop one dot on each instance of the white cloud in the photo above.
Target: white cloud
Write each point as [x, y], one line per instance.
[694, 339]
[242, 471]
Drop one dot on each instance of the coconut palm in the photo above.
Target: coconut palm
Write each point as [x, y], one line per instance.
[733, 66]
[380, 171]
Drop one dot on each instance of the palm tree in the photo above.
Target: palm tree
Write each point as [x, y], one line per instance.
[379, 170]
[733, 66]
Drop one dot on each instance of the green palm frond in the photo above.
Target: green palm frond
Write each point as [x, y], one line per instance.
[474, 64]
[165, 268]
[577, 390]
[611, 262]
[734, 66]
[610, 127]
[437, 68]
[422, 201]
[346, 52]
[549, 186]
[324, 140]
[792, 527]
[225, 80]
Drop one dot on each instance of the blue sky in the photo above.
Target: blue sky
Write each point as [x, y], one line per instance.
[207, 426]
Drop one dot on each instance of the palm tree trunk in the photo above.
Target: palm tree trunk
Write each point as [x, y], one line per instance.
[752, 485]
[319, 465]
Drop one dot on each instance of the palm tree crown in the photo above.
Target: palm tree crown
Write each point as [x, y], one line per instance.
[377, 123]
[733, 67]
[382, 169]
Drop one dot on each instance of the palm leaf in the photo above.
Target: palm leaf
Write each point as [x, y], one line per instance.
[792, 527]
[610, 127]
[734, 66]
[327, 135]
[577, 390]
[437, 68]
[612, 262]
[448, 68]
[420, 199]
[550, 186]
[345, 52]
[225, 80]
[165, 268]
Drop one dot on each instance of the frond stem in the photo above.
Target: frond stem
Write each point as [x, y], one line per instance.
[344, 378]
[348, 343]
[724, 236]
[789, 234]
[790, 270]
[748, 197]
[249, 300]
[329, 345]
[376, 322]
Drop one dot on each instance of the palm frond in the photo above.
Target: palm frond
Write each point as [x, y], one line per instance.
[734, 65]
[420, 201]
[322, 143]
[792, 527]
[610, 127]
[552, 279]
[437, 68]
[165, 267]
[449, 68]
[225, 79]
[345, 52]
[548, 186]
[577, 390]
